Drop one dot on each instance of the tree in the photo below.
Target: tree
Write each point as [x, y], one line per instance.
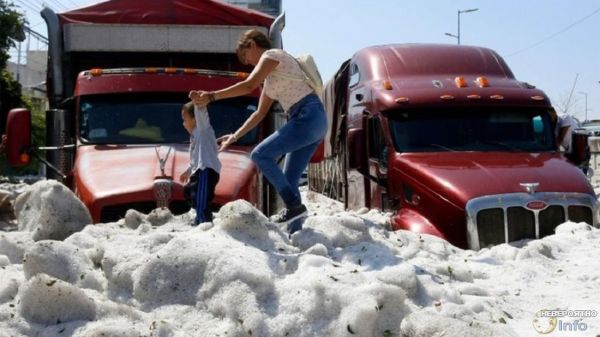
[12, 25]
[567, 103]
[12, 28]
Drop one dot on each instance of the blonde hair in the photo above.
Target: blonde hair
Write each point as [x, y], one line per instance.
[255, 35]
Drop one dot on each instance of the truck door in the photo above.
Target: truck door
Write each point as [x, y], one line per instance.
[377, 163]
[358, 98]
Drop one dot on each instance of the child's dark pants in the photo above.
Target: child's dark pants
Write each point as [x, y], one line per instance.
[200, 191]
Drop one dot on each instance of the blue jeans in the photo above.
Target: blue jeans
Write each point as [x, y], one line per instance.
[298, 138]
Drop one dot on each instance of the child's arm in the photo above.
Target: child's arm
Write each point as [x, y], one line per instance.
[264, 104]
[201, 116]
[185, 175]
[265, 66]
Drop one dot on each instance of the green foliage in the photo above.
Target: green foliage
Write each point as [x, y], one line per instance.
[38, 123]
[12, 25]
[10, 93]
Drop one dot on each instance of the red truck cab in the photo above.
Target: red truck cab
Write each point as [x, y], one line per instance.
[132, 147]
[118, 76]
[449, 140]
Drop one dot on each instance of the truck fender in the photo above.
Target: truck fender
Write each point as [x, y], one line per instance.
[411, 220]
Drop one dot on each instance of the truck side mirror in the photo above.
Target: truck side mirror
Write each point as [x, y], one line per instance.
[18, 137]
[580, 152]
[356, 148]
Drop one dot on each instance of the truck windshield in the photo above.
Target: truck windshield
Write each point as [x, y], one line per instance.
[151, 119]
[468, 129]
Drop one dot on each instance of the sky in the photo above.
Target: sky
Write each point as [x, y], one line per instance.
[342, 275]
[552, 44]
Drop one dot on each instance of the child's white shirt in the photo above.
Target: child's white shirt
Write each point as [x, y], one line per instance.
[203, 144]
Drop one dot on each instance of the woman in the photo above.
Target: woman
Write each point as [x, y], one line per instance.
[298, 138]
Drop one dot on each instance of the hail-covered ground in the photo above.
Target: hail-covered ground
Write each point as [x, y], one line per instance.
[344, 274]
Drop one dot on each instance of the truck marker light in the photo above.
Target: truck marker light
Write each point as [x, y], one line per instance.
[537, 98]
[151, 70]
[498, 97]
[402, 100]
[528, 85]
[24, 158]
[460, 82]
[387, 85]
[96, 71]
[447, 97]
[170, 70]
[474, 96]
[482, 82]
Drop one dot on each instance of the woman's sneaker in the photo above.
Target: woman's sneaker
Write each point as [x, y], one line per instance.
[289, 214]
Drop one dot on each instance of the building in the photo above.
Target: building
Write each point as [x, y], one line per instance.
[31, 74]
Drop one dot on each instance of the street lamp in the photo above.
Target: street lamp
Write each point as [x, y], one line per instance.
[457, 36]
[586, 109]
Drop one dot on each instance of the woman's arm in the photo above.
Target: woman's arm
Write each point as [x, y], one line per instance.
[562, 134]
[264, 104]
[264, 67]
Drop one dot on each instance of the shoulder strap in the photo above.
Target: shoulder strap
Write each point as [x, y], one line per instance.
[288, 76]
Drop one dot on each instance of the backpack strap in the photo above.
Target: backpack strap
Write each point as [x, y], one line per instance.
[298, 78]
[289, 76]
[292, 77]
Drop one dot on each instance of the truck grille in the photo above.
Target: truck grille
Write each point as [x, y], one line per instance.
[493, 220]
[550, 218]
[115, 212]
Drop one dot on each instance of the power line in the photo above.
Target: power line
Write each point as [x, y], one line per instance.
[54, 5]
[59, 4]
[37, 35]
[74, 3]
[37, 24]
[34, 3]
[557, 33]
[26, 4]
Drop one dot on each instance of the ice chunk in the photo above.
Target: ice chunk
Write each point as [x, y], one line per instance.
[63, 261]
[51, 211]
[47, 300]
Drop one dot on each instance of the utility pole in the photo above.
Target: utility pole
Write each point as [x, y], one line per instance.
[586, 106]
[457, 36]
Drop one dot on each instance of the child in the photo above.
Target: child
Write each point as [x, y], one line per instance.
[203, 173]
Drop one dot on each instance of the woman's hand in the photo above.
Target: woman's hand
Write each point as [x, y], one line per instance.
[225, 141]
[201, 98]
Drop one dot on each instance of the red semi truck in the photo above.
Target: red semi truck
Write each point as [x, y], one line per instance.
[446, 138]
[118, 74]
